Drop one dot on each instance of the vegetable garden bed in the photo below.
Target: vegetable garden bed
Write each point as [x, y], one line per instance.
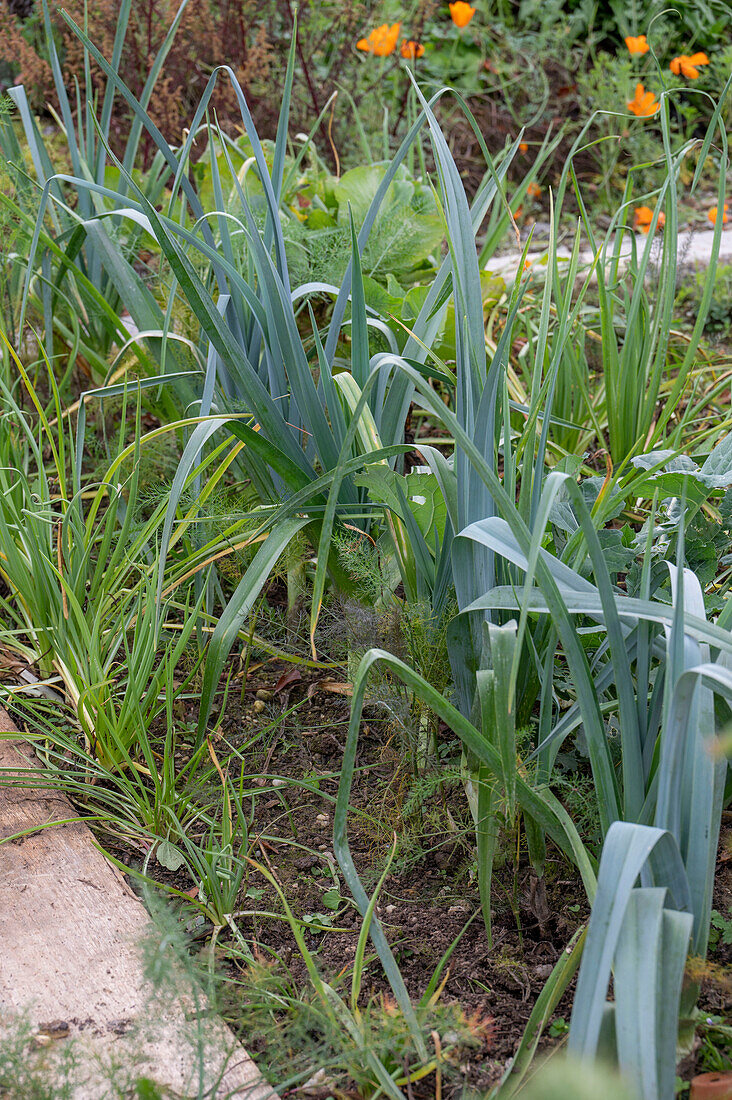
[373, 608]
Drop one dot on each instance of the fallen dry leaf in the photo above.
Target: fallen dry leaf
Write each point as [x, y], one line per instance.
[335, 687]
[286, 679]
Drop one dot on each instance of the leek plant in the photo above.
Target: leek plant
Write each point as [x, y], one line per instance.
[82, 277]
[280, 405]
[657, 670]
[472, 488]
[658, 684]
[307, 424]
[623, 355]
[304, 417]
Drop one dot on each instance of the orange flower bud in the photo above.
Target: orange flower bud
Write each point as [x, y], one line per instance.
[712, 214]
[644, 216]
[637, 44]
[411, 49]
[461, 13]
[381, 41]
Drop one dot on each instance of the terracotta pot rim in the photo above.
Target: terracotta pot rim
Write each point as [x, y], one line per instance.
[716, 1085]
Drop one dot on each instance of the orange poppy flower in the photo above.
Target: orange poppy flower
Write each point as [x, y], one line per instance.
[461, 13]
[712, 214]
[381, 41]
[643, 104]
[523, 147]
[637, 44]
[687, 66]
[644, 216]
[533, 190]
[412, 49]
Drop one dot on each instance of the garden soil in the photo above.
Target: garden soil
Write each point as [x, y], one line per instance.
[429, 895]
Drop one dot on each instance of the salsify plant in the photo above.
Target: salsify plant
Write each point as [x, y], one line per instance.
[624, 355]
[636, 291]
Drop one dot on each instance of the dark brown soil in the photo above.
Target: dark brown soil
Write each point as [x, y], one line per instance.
[427, 898]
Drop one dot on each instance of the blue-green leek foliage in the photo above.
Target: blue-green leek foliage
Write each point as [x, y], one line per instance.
[657, 669]
[304, 430]
[81, 277]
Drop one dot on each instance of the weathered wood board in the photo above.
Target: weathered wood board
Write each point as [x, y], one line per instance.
[70, 930]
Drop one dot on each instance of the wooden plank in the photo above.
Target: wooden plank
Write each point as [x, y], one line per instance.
[70, 935]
